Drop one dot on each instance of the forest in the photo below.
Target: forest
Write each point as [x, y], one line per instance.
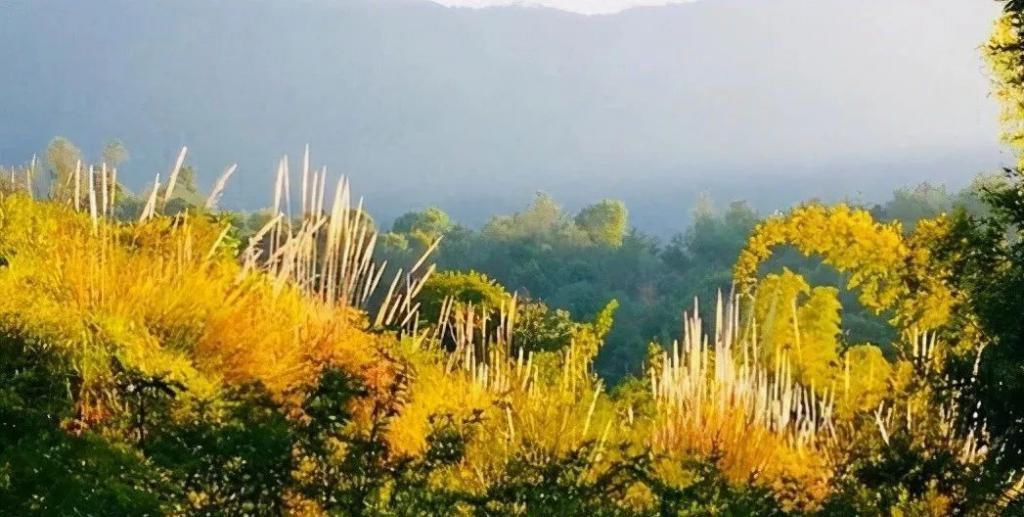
[162, 356]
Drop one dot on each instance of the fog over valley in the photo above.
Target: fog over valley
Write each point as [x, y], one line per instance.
[474, 110]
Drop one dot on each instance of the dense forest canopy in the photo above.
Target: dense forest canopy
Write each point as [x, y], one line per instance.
[580, 262]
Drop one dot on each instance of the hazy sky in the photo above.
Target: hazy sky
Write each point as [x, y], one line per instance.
[576, 6]
[475, 110]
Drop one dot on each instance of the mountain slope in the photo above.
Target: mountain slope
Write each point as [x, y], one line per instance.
[476, 109]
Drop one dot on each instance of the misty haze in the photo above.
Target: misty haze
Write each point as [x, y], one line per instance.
[476, 109]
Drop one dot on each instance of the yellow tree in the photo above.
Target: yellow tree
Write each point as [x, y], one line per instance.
[888, 270]
[800, 324]
[1003, 53]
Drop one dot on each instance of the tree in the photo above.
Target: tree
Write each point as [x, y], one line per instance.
[543, 222]
[432, 220]
[114, 153]
[44, 469]
[985, 254]
[63, 157]
[909, 206]
[1005, 55]
[186, 193]
[539, 329]
[470, 288]
[240, 461]
[800, 324]
[891, 271]
[423, 227]
[717, 239]
[605, 222]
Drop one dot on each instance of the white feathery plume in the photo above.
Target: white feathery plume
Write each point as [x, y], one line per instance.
[150, 207]
[218, 188]
[174, 174]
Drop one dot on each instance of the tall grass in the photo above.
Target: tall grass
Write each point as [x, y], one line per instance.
[715, 397]
[709, 397]
[169, 295]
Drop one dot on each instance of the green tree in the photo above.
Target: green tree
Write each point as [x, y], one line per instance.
[114, 153]
[470, 288]
[540, 329]
[62, 157]
[909, 206]
[605, 222]
[986, 257]
[239, 458]
[186, 195]
[419, 230]
[543, 222]
[985, 254]
[432, 221]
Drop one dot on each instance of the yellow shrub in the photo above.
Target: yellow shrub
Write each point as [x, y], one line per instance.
[161, 297]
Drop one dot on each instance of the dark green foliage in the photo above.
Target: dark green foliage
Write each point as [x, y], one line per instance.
[470, 288]
[916, 475]
[709, 493]
[986, 255]
[550, 258]
[46, 469]
[884, 478]
[53, 473]
[147, 398]
[241, 463]
[541, 484]
[573, 484]
[35, 391]
[446, 443]
[546, 256]
[540, 329]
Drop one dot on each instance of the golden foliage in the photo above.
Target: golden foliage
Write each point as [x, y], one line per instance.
[718, 396]
[169, 296]
[888, 270]
[1003, 58]
[799, 323]
[162, 297]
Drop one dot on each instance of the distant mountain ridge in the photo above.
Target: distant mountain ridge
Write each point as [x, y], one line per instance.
[587, 7]
[476, 109]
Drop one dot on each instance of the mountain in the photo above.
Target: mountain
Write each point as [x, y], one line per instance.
[588, 7]
[476, 109]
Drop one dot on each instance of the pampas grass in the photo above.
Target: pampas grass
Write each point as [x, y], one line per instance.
[165, 295]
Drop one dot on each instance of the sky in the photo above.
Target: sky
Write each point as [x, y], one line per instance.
[589, 7]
